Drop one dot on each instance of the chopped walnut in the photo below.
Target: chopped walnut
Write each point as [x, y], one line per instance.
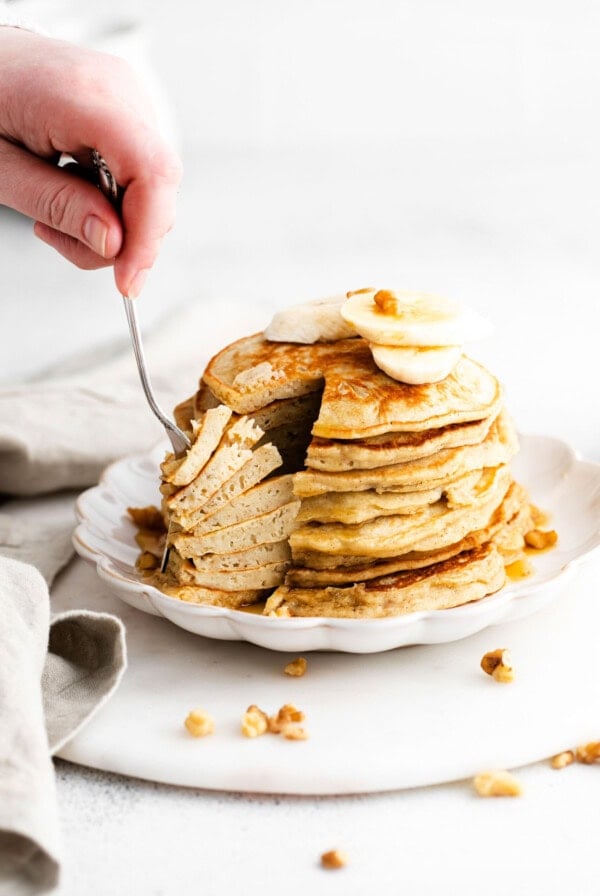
[386, 301]
[335, 858]
[287, 714]
[497, 783]
[254, 722]
[539, 540]
[498, 664]
[296, 668]
[147, 518]
[199, 723]
[146, 560]
[561, 760]
[588, 753]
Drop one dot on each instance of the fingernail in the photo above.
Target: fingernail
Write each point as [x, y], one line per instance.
[95, 233]
[137, 284]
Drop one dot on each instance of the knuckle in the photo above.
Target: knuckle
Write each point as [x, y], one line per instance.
[166, 165]
[56, 204]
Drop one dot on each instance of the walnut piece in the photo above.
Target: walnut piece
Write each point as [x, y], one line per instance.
[561, 760]
[540, 540]
[498, 664]
[147, 518]
[199, 723]
[296, 668]
[147, 561]
[285, 716]
[335, 858]
[497, 783]
[588, 753]
[254, 722]
[386, 301]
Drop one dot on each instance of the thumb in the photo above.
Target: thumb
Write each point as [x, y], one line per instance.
[58, 199]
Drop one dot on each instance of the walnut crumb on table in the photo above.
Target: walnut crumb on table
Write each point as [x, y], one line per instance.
[199, 723]
[497, 783]
[588, 753]
[255, 722]
[296, 668]
[334, 858]
[561, 760]
[498, 664]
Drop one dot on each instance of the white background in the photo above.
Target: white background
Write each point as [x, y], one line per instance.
[450, 146]
[446, 146]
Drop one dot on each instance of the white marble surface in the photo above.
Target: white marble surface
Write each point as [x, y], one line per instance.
[332, 145]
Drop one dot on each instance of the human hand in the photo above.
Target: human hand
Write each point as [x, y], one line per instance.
[58, 98]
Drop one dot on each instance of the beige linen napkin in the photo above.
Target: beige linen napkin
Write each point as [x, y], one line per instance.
[59, 433]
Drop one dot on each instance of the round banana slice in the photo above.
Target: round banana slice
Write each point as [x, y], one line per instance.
[416, 365]
[387, 317]
[318, 321]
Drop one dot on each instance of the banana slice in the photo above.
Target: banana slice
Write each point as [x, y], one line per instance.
[408, 318]
[416, 365]
[318, 321]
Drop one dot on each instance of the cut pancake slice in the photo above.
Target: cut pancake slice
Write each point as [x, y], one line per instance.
[499, 446]
[432, 528]
[337, 456]
[461, 579]
[267, 575]
[234, 450]
[211, 597]
[260, 499]
[206, 436]
[263, 529]
[272, 552]
[265, 459]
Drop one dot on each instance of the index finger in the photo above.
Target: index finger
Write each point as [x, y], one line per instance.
[149, 172]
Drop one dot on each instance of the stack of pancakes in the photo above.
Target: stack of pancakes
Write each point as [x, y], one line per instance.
[380, 498]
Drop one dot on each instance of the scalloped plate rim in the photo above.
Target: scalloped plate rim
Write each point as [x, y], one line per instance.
[488, 606]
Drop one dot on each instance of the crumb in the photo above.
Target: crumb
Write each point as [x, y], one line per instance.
[296, 668]
[561, 760]
[335, 858]
[254, 722]
[497, 783]
[498, 664]
[199, 723]
[294, 732]
[540, 540]
[588, 753]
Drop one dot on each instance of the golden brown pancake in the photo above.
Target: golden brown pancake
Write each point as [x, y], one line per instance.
[466, 577]
[359, 400]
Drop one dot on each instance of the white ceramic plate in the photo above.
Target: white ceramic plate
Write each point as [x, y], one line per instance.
[558, 479]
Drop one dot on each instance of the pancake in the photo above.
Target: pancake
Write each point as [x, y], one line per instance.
[263, 576]
[467, 577]
[430, 529]
[358, 399]
[335, 455]
[498, 447]
[356, 507]
[505, 529]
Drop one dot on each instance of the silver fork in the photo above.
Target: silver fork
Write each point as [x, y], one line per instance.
[180, 442]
